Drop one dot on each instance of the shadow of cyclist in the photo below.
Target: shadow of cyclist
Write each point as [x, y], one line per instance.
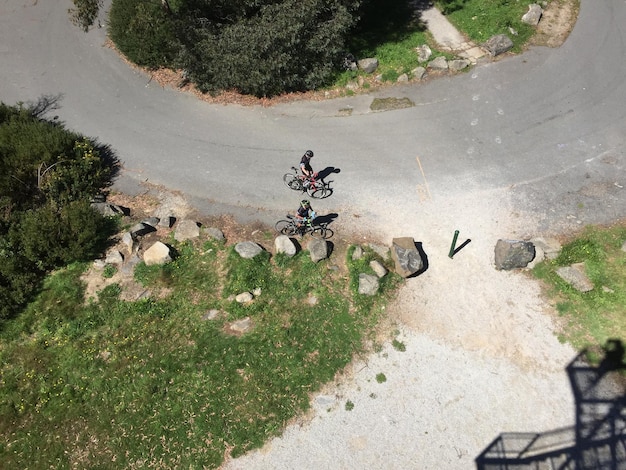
[327, 172]
[326, 219]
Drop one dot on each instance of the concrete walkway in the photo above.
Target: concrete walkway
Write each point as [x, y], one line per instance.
[448, 37]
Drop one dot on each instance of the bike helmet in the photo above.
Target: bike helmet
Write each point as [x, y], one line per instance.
[305, 203]
[309, 153]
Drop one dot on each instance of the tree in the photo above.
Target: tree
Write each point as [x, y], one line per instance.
[258, 47]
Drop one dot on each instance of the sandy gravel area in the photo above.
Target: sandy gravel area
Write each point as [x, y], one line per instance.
[481, 357]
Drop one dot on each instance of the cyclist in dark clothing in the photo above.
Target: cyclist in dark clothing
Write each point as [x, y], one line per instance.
[305, 213]
[305, 166]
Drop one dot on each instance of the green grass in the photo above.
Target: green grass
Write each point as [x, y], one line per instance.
[482, 19]
[594, 317]
[116, 384]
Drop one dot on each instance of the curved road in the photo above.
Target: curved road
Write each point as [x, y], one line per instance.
[534, 142]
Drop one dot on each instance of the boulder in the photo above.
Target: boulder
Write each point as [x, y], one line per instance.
[167, 221]
[576, 276]
[284, 244]
[357, 253]
[215, 234]
[512, 254]
[129, 242]
[378, 268]
[248, 250]
[533, 15]
[498, 44]
[403, 78]
[368, 284]
[186, 230]
[439, 63]
[140, 229]
[406, 257]
[318, 249]
[159, 253]
[151, 221]
[109, 210]
[423, 53]
[368, 65]
[458, 64]
[418, 72]
[114, 257]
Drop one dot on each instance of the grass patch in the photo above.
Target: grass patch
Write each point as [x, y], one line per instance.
[149, 383]
[594, 317]
[482, 19]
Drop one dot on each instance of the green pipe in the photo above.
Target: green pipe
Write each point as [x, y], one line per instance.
[453, 246]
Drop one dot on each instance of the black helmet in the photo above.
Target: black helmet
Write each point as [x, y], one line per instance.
[305, 203]
[309, 153]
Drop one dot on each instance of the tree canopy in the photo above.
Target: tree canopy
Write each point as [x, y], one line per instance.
[257, 47]
[48, 176]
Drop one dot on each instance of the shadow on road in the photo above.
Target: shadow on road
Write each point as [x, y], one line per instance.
[598, 439]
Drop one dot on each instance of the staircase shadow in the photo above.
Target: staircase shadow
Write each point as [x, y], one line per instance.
[597, 441]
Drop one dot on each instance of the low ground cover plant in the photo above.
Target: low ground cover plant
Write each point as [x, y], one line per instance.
[109, 383]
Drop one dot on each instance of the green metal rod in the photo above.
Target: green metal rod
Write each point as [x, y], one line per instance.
[453, 246]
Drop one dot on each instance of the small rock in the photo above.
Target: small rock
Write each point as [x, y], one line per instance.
[403, 78]
[380, 250]
[576, 276]
[151, 221]
[498, 44]
[211, 314]
[167, 221]
[244, 297]
[357, 253]
[186, 230]
[140, 229]
[458, 64]
[439, 63]
[129, 242]
[418, 72]
[114, 257]
[533, 15]
[378, 268]
[368, 65]
[241, 326]
[423, 53]
[215, 234]
[512, 254]
[368, 284]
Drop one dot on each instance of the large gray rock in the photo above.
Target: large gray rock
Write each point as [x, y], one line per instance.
[576, 276]
[248, 250]
[458, 64]
[151, 221]
[186, 230]
[215, 234]
[159, 253]
[533, 15]
[284, 244]
[368, 65]
[512, 254]
[141, 229]
[368, 284]
[109, 210]
[498, 44]
[439, 63]
[406, 257]
[318, 249]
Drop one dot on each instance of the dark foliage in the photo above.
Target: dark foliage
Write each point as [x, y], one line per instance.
[257, 47]
[47, 177]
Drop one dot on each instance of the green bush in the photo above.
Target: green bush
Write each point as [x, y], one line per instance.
[144, 31]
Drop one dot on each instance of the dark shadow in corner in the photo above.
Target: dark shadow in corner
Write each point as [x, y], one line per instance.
[597, 441]
[326, 220]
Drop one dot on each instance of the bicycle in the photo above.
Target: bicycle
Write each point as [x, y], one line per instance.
[318, 189]
[290, 227]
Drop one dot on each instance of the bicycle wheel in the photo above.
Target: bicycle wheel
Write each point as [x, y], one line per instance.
[285, 227]
[292, 181]
[318, 191]
[318, 232]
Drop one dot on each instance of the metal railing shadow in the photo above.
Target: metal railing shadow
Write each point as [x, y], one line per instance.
[597, 441]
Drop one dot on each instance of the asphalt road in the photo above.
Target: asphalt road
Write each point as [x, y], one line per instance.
[549, 124]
